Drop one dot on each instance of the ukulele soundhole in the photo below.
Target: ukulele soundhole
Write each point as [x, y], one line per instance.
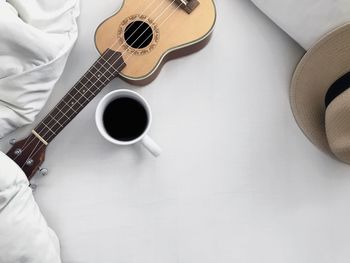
[138, 34]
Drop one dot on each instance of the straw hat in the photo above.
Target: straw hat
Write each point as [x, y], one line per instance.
[320, 93]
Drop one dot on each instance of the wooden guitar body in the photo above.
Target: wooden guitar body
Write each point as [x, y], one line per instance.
[175, 33]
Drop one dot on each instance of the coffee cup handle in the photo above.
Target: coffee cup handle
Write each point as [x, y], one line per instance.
[151, 146]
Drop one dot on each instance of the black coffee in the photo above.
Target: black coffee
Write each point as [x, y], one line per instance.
[125, 119]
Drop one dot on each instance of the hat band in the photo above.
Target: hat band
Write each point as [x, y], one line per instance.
[337, 88]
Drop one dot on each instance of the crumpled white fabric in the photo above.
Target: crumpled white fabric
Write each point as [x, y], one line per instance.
[36, 37]
[306, 21]
[24, 234]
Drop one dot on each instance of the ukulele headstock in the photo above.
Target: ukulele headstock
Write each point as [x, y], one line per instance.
[28, 154]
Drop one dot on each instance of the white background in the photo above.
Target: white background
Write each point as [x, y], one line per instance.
[237, 180]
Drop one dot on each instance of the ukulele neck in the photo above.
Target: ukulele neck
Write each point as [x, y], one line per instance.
[105, 69]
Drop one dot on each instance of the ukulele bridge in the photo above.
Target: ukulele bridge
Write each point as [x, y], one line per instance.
[188, 5]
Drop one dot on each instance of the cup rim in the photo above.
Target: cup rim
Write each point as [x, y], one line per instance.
[118, 94]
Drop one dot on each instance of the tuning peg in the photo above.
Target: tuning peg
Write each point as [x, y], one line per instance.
[43, 171]
[29, 162]
[18, 151]
[12, 141]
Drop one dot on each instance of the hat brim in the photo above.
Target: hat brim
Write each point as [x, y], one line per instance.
[321, 66]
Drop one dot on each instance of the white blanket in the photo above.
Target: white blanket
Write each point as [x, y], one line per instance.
[24, 234]
[36, 37]
[306, 20]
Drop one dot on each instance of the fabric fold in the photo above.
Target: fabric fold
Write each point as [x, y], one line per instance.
[306, 21]
[36, 37]
[25, 236]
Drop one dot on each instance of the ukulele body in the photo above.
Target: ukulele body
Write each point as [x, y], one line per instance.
[172, 28]
[168, 32]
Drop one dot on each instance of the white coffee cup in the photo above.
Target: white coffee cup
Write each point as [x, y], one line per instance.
[149, 144]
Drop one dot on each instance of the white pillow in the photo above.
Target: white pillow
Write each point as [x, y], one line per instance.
[306, 20]
[36, 37]
[24, 234]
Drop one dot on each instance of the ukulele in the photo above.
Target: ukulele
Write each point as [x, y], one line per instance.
[133, 44]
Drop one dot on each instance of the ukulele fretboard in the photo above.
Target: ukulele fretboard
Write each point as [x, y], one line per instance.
[105, 69]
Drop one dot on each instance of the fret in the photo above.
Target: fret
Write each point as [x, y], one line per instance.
[74, 95]
[56, 123]
[82, 92]
[43, 131]
[71, 101]
[49, 128]
[106, 63]
[97, 77]
[57, 119]
[93, 80]
[67, 109]
[90, 85]
[85, 90]
[75, 101]
[109, 70]
[53, 124]
[65, 113]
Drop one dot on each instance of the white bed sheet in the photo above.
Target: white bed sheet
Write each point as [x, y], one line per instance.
[237, 180]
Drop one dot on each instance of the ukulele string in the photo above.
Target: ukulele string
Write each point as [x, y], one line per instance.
[98, 71]
[118, 68]
[127, 58]
[27, 143]
[53, 118]
[70, 106]
[110, 67]
[167, 18]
